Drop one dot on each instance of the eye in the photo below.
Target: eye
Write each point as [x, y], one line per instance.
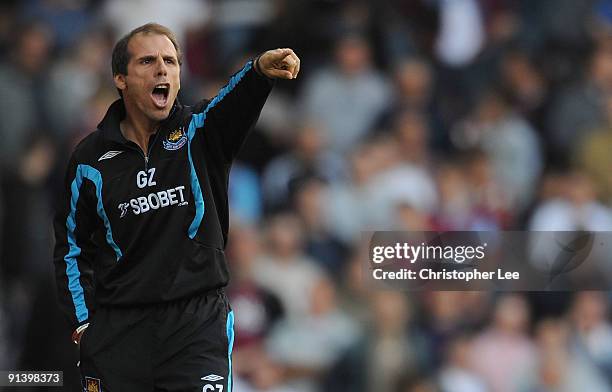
[145, 61]
[170, 61]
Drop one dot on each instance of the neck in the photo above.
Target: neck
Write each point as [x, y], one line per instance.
[137, 128]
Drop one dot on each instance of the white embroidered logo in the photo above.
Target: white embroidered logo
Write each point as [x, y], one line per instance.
[124, 208]
[210, 387]
[109, 155]
[212, 377]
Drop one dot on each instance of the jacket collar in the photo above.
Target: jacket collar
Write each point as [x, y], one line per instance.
[109, 126]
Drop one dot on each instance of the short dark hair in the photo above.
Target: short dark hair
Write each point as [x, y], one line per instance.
[121, 55]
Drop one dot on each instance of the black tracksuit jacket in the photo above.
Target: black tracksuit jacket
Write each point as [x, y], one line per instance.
[136, 229]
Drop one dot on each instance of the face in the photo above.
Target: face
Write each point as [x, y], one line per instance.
[153, 76]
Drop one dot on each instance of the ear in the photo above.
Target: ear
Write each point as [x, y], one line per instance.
[120, 82]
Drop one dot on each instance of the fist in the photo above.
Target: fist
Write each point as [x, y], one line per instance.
[279, 63]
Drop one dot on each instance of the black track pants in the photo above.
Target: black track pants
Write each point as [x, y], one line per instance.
[183, 345]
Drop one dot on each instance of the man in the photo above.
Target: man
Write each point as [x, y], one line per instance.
[140, 236]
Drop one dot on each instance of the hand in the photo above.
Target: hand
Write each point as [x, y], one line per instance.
[279, 63]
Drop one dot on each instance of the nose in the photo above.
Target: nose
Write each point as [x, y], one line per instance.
[162, 69]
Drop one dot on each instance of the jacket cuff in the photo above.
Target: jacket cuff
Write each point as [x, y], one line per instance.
[77, 332]
[257, 70]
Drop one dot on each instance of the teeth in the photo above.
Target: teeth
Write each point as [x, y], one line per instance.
[165, 86]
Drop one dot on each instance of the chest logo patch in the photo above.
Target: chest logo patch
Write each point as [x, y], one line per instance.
[175, 140]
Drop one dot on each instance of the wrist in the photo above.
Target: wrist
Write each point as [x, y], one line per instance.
[256, 65]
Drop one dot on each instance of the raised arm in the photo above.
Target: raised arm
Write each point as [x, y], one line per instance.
[236, 108]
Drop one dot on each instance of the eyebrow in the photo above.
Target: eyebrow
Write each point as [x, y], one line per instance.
[151, 57]
[146, 57]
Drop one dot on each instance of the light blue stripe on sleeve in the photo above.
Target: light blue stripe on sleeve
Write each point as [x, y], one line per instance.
[230, 339]
[195, 189]
[72, 269]
[74, 251]
[200, 117]
[197, 121]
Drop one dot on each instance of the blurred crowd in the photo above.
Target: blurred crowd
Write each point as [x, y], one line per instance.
[406, 115]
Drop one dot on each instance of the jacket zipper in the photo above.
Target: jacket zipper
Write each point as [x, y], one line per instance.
[148, 154]
[144, 156]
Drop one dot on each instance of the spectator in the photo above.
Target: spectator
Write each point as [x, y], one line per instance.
[592, 155]
[579, 108]
[575, 208]
[557, 368]
[319, 243]
[82, 72]
[527, 88]
[179, 16]
[408, 180]
[348, 96]
[67, 19]
[461, 34]
[306, 348]
[592, 329]
[22, 84]
[348, 205]
[507, 334]
[307, 157]
[489, 199]
[443, 318]
[414, 92]
[456, 210]
[510, 142]
[391, 347]
[456, 374]
[257, 309]
[283, 268]
[237, 21]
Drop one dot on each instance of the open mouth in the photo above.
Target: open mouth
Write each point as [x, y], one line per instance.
[160, 95]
